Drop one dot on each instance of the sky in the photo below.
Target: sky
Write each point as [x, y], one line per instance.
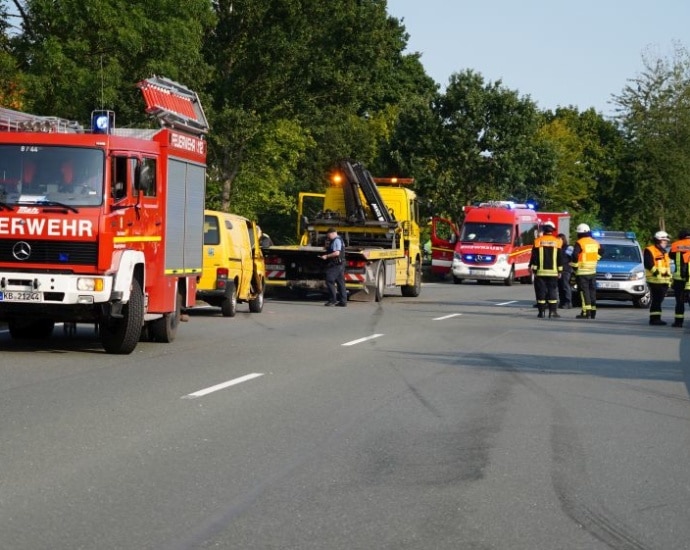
[560, 53]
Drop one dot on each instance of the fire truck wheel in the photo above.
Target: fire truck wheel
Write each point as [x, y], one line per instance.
[256, 305]
[120, 336]
[457, 280]
[380, 283]
[228, 306]
[165, 329]
[40, 329]
[413, 290]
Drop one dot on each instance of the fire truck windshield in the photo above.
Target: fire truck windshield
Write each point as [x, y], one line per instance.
[33, 174]
[486, 233]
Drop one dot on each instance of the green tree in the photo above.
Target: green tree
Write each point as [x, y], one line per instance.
[588, 149]
[78, 55]
[332, 72]
[654, 113]
[479, 143]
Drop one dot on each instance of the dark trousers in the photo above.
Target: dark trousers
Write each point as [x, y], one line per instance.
[587, 286]
[546, 290]
[335, 282]
[681, 295]
[658, 293]
[565, 291]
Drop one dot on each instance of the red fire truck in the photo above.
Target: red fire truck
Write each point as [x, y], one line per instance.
[104, 225]
[493, 244]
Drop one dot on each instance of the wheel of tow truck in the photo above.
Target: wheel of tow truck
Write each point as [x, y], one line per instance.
[40, 329]
[510, 279]
[228, 306]
[121, 335]
[165, 329]
[256, 305]
[413, 290]
[380, 283]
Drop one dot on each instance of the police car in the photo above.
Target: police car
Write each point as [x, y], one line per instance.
[620, 271]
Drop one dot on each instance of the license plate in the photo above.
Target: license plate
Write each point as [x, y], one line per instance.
[606, 284]
[477, 272]
[20, 296]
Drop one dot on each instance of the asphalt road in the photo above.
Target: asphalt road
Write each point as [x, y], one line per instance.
[455, 420]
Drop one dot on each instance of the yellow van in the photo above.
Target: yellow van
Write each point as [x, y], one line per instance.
[233, 268]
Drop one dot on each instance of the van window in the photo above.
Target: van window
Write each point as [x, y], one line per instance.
[527, 233]
[211, 230]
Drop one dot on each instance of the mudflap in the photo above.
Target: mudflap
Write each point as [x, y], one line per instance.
[366, 294]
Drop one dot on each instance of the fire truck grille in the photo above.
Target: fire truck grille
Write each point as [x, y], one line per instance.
[48, 252]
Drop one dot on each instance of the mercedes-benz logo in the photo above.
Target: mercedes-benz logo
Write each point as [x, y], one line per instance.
[21, 251]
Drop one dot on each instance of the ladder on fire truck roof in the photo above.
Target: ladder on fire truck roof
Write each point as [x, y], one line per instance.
[174, 105]
[17, 121]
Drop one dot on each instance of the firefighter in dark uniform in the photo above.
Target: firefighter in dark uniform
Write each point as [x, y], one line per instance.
[547, 264]
[657, 269]
[335, 271]
[586, 254]
[680, 256]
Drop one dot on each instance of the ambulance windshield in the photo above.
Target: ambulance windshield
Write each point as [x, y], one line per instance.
[33, 174]
[499, 233]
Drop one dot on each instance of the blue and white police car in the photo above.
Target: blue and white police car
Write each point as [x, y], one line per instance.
[620, 271]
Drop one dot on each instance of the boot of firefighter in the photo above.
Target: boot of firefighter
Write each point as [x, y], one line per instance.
[542, 309]
[592, 313]
[583, 315]
[553, 311]
[678, 322]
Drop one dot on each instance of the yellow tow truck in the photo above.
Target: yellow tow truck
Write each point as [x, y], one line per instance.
[378, 220]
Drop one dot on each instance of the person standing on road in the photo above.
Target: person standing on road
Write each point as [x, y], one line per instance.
[335, 271]
[565, 292]
[680, 256]
[586, 253]
[547, 264]
[657, 269]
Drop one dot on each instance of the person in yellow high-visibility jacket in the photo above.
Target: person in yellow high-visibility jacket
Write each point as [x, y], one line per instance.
[657, 270]
[586, 253]
[680, 255]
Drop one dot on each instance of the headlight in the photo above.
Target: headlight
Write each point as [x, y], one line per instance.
[502, 259]
[457, 256]
[90, 284]
[636, 275]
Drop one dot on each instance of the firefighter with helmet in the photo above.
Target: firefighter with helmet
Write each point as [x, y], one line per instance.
[547, 264]
[679, 254]
[586, 253]
[657, 269]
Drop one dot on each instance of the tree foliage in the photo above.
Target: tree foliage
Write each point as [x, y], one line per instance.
[291, 86]
[654, 115]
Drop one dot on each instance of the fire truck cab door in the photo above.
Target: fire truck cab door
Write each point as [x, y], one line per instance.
[135, 192]
[444, 235]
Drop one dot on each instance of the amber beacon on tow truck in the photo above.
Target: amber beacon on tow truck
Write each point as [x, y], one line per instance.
[105, 225]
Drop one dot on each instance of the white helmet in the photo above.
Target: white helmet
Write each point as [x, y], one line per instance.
[582, 228]
[661, 236]
[549, 223]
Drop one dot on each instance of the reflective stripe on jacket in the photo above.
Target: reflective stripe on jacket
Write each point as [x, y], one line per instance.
[547, 256]
[588, 257]
[661, 266]
[679, 254]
